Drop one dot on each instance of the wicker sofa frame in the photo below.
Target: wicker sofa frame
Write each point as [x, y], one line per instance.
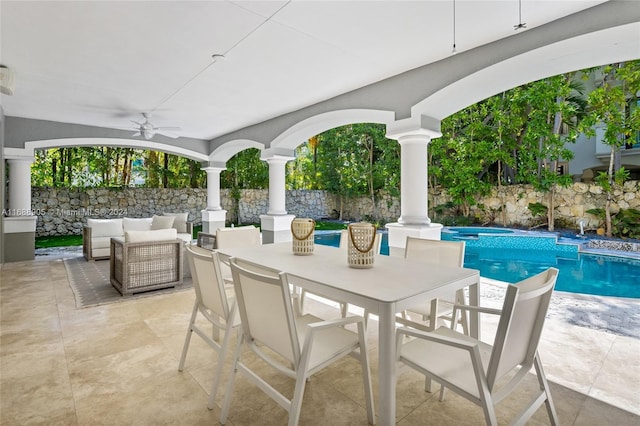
[144, 266]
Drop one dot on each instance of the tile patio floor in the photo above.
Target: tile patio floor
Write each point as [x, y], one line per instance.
[117, 364]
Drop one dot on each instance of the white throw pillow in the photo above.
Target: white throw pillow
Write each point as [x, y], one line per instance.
[150, 236]
[136, 224]
[105, 227]
[180, 222]
[161, 222]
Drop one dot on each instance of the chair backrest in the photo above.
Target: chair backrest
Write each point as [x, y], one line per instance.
[266, 310]
[344, 241]
[242, 236]
[436, 252]
[520, 326]
[207, 280]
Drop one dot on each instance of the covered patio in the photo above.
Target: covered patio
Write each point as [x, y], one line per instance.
[117, 364]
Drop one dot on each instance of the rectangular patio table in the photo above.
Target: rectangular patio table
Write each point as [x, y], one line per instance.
[390, 286]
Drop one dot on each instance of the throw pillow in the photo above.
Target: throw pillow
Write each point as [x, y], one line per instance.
[180, 222]
[161, 222]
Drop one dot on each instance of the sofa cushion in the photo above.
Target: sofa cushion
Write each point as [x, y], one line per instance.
[185, 236]
[105, 227]
[150, 236]
[136, 224]
[180, 222]
[101, 242]
[162, 222]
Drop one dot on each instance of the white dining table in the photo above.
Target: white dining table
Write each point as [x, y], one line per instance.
[390, 286]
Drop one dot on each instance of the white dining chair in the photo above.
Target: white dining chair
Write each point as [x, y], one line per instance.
[306, 343]
[239, 236]
[482, 373]
[435, 252]
[215, 301]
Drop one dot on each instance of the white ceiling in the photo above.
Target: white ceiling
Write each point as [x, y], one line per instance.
[103, 63]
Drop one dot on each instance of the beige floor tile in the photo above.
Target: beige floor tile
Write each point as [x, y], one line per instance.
[573, 356]
[597, 413]
[618, 381]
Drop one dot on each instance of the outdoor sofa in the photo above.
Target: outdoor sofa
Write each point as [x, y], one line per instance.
[97, 233]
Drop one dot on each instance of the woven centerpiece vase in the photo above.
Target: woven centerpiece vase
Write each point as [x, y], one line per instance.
[302, 232]
[360, 252]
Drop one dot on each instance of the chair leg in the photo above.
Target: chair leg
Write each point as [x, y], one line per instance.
[544, 385]
[366, 373]
[296, 401]
[224, 412]
[344, 308]
[187, 339]
[428, 385]
[442, 392]
[218, 372]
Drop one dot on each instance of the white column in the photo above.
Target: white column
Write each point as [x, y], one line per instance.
[213, 217]
[413, 179]
[277, 185]
[213, 187]
[276, 224]
[19, 186]
[414, 135]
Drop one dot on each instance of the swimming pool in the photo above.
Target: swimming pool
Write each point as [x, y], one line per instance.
[510, 257]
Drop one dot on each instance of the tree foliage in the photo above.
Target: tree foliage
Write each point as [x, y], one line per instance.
[609, 105]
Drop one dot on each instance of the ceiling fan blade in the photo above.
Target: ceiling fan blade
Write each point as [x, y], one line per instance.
[167, 134]
[136, 134]
[168, 128]
[136, 123]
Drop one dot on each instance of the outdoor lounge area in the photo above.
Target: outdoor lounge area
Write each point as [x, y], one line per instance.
[118, 364]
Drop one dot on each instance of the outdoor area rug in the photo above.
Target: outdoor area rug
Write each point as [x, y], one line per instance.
[91, 285]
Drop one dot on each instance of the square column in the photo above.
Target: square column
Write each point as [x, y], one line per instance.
[276, 229]
[19, 222]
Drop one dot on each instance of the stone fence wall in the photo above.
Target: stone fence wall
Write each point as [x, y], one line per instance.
[62, 211]
[65, 211]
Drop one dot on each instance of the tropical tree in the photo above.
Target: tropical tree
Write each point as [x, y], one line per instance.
[609, 105]
[553, 105]
[356, 160]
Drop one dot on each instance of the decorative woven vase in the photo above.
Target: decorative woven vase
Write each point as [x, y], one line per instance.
[360, 252]
[302, 232]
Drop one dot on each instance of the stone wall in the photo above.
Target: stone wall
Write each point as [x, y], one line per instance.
[64, 211]
[570, 203]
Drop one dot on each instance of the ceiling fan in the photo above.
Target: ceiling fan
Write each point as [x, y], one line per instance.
[148, 130]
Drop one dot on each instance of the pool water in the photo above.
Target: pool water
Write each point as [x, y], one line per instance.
[512, 258]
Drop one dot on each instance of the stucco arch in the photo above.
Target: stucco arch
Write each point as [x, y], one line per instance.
[302, 131]
[31, 146]
[223, 153]
[593, 49]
